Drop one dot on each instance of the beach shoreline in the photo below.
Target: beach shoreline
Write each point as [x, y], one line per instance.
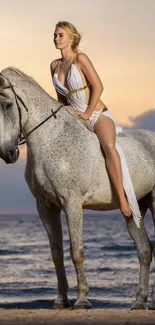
[75, 317]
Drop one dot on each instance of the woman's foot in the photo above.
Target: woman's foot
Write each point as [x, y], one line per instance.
[125, 208]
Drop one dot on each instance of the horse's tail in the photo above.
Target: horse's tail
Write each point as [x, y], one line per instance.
[151, 203]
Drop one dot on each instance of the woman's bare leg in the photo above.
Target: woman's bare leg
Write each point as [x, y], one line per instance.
[105, 131]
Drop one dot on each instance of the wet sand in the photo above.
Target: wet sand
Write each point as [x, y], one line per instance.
[75, 317]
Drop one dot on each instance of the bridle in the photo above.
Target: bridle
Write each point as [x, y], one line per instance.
[18, 100]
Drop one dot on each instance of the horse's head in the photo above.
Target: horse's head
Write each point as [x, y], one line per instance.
[9, 122]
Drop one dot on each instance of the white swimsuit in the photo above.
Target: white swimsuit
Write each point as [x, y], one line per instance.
[75, 97]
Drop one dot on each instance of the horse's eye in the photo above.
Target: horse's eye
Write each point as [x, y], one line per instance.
[8, 105]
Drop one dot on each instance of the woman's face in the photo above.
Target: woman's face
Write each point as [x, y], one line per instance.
[61, 39]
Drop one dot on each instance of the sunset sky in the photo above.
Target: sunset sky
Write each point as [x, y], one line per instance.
[117, 35]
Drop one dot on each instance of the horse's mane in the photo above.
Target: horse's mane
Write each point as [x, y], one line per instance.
[2, 82]
[19, 72]
[22, 74]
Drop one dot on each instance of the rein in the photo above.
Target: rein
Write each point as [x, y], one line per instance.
[22, 139]
[19, 99]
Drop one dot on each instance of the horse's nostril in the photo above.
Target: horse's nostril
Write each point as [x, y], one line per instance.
[13, 155]
[11, 152]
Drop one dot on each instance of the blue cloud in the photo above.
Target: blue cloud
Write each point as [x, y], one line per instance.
[144, 121]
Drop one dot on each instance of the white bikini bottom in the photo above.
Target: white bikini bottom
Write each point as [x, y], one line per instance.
[95, 115]
[127, 183]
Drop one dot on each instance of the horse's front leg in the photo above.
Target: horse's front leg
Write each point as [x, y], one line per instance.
[74, 215]
[144, 250]
[52, 223]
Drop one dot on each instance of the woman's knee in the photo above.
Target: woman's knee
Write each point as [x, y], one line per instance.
[109, 148]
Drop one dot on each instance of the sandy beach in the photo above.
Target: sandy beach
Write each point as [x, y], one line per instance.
[71, 317]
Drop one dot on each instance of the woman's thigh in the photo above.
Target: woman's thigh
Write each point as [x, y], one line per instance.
[105, 131]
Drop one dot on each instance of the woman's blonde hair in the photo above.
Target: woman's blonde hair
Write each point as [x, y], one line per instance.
[72, 32]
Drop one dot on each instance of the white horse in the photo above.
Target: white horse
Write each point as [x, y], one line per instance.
[65, 170]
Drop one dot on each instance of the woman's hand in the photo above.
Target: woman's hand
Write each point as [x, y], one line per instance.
[83, 115]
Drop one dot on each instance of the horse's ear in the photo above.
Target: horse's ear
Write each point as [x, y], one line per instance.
[2, 81]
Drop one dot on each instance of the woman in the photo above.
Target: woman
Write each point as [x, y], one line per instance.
[77, 84]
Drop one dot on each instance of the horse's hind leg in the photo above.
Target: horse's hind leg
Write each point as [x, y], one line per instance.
[144, 250]
[152, 209]
[74, 215]
[52, 223]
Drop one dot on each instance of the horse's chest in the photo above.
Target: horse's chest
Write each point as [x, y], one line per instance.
[40, 186]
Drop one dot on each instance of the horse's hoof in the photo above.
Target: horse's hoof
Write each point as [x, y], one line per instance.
[138, 306]
[61, 304]
[82, 303]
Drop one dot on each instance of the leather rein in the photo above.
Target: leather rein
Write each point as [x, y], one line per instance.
[18, 100]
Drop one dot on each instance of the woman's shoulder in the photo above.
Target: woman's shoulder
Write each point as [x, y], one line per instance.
[54, 64]
[82, 58]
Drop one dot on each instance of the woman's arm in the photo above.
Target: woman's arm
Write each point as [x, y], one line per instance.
[94, 80]
[53, 66]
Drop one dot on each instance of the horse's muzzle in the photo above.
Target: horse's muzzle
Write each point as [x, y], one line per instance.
[11, 156]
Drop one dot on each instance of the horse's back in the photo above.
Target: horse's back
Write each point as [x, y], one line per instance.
[75, 161]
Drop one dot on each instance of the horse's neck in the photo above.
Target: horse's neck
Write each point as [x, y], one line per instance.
[38, 102]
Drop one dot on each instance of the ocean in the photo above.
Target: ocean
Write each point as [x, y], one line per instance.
[27, 274]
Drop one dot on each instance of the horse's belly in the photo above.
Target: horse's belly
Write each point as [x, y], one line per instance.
[103, 195]
[103, 198]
